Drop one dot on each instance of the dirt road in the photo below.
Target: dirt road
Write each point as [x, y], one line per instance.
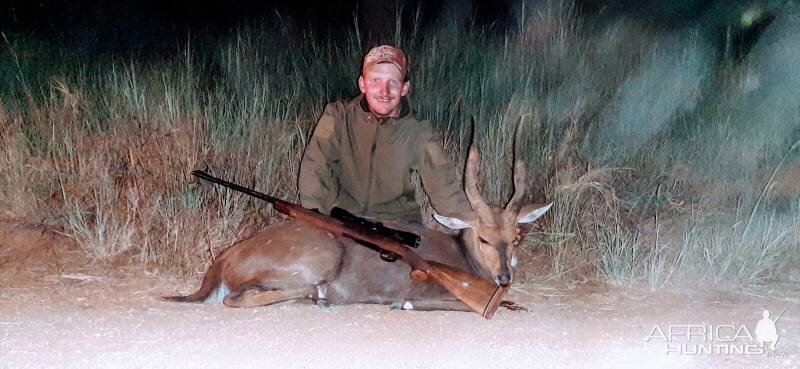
[88, 318]
[58, 310]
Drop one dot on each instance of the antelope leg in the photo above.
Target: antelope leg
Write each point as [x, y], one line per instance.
[252, 297]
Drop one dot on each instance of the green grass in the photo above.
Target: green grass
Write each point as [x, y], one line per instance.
[623, 126]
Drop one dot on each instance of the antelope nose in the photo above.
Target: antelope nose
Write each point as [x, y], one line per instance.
[504, 279]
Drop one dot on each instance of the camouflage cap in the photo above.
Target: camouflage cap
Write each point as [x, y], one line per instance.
[385, 54]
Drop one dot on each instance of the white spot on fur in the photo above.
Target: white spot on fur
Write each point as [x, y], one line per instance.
[269, 241]
[407, 305]
[514, 261]
[218, 294]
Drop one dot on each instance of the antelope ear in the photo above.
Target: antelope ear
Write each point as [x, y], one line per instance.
[529, 213]
[452, 223]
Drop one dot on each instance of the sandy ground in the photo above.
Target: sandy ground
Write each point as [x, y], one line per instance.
[71, 314]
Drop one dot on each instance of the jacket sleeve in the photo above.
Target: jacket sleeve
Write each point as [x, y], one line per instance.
[317, 182]
[439, 177]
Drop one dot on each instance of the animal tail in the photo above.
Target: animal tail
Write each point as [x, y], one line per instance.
[211, 280]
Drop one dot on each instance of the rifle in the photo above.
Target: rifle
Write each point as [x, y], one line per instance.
[406, 238]
[480, 295]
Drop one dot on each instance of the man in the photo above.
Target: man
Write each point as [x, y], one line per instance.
[363, 151]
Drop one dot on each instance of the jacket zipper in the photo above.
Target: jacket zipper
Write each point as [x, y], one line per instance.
[371, 167]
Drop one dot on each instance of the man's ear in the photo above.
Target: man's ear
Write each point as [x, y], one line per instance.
[361, 86]
[451, 222]
[406, 88]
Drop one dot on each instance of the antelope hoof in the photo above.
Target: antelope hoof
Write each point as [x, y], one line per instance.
[322, 295]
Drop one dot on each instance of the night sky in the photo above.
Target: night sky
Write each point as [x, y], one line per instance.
[131, 24]
[106, 26]
[125, 24]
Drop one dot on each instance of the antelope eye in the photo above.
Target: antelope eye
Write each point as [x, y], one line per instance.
[482, 240]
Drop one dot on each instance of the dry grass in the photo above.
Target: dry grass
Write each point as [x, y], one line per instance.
[106, 149]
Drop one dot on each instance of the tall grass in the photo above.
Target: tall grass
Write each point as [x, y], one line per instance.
[620, 122]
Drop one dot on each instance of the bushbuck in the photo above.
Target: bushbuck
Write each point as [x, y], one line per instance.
[292, 260]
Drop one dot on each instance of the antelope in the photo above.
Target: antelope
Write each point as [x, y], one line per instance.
[292, 260]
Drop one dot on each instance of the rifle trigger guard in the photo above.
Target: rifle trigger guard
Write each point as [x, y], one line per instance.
[389, 257]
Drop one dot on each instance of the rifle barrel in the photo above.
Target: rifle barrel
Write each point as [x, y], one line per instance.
[234, 186]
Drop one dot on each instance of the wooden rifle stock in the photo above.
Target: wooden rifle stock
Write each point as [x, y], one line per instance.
[478, 294]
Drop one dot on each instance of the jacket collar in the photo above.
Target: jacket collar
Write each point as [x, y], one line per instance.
[405, 107]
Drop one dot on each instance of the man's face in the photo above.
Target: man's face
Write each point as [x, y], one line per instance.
[383, 87]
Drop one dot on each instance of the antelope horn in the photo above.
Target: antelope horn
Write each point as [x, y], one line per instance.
[515, 204]
[471, 185]
[520, 188]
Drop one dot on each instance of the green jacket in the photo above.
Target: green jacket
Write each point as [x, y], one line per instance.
[364, 165]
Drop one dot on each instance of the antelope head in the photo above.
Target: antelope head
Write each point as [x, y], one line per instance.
[491, 233]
